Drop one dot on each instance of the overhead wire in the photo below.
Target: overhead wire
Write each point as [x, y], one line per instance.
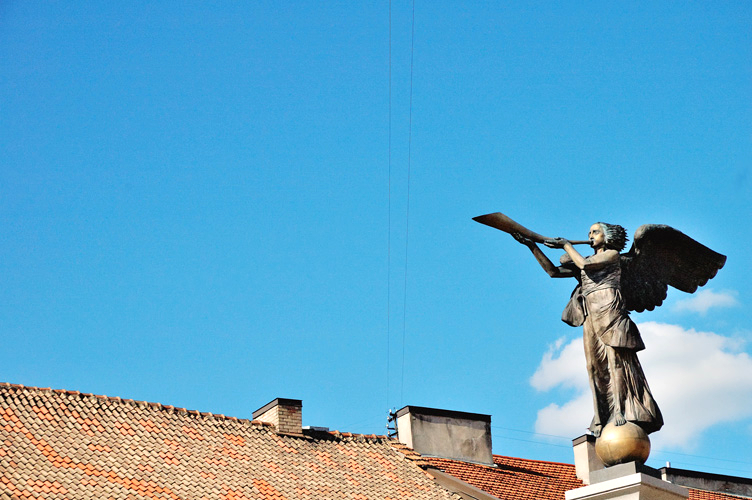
[546, 442]
[407, 211]
[389, 224]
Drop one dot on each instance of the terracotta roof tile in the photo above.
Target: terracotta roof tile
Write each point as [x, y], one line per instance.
[711, 495]
[518, 478]
[514, 478]
[58, 444]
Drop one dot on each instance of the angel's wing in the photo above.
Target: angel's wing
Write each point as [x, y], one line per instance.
[662, 256]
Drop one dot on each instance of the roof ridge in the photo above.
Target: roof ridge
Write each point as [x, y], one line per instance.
[372, 437]
[534, 460]
[409, 453]
[117, 399]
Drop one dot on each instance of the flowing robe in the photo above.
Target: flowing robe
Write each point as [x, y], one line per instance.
[598, 306]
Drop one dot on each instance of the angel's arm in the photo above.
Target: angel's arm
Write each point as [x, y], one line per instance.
[545, 263]
[596, 261]
[593, 262]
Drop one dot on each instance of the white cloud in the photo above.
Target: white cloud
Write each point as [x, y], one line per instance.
[699, 379]
[706, 299]
[560, 370]
[570, 419]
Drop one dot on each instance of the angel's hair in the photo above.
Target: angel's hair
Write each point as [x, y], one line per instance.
[616, 236]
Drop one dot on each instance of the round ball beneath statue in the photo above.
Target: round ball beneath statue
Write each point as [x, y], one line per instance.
[621, 444]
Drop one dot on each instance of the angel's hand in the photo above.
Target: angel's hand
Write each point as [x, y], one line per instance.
[525, 241]
[555, 242]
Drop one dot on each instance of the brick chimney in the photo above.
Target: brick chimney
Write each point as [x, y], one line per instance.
[285, 414]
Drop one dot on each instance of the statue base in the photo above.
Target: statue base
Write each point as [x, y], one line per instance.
[630, 481]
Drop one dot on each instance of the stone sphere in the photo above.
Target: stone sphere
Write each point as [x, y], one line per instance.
[623, 443]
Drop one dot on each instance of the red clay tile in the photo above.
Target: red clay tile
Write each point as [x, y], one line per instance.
[60, 444]
[81, 446]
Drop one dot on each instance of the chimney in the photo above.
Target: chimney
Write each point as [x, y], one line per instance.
[585, 459]
[285, 414]
[446, 434]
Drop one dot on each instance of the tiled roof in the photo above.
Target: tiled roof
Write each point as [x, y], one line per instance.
[59, 444]
[711, 495]
[522, 479]
[514, 478]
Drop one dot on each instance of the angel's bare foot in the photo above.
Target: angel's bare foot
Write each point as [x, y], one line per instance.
[619, 419]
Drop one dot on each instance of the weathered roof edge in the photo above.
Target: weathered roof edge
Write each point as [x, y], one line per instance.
[133, 402]
[507, 457]
[184, 411]
[533, 460]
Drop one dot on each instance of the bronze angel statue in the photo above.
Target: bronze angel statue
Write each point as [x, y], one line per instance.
[610, 285]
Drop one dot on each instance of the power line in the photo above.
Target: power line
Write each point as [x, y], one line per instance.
[530, 441]
[530, 432]
[407, 211]
[701, 456]
[389, 225]
[654, 451]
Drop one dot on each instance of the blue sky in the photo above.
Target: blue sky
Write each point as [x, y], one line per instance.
[197, 206]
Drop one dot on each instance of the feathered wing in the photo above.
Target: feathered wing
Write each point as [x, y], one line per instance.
[662, 256]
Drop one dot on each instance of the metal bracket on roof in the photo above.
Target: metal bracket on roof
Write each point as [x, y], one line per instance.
[392, 419]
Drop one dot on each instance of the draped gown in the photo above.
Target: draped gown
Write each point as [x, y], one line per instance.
[598, 306]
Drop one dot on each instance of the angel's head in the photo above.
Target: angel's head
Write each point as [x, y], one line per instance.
[610, 235]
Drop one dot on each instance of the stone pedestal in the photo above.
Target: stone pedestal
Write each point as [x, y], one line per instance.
[586, 461]
[636, 486]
